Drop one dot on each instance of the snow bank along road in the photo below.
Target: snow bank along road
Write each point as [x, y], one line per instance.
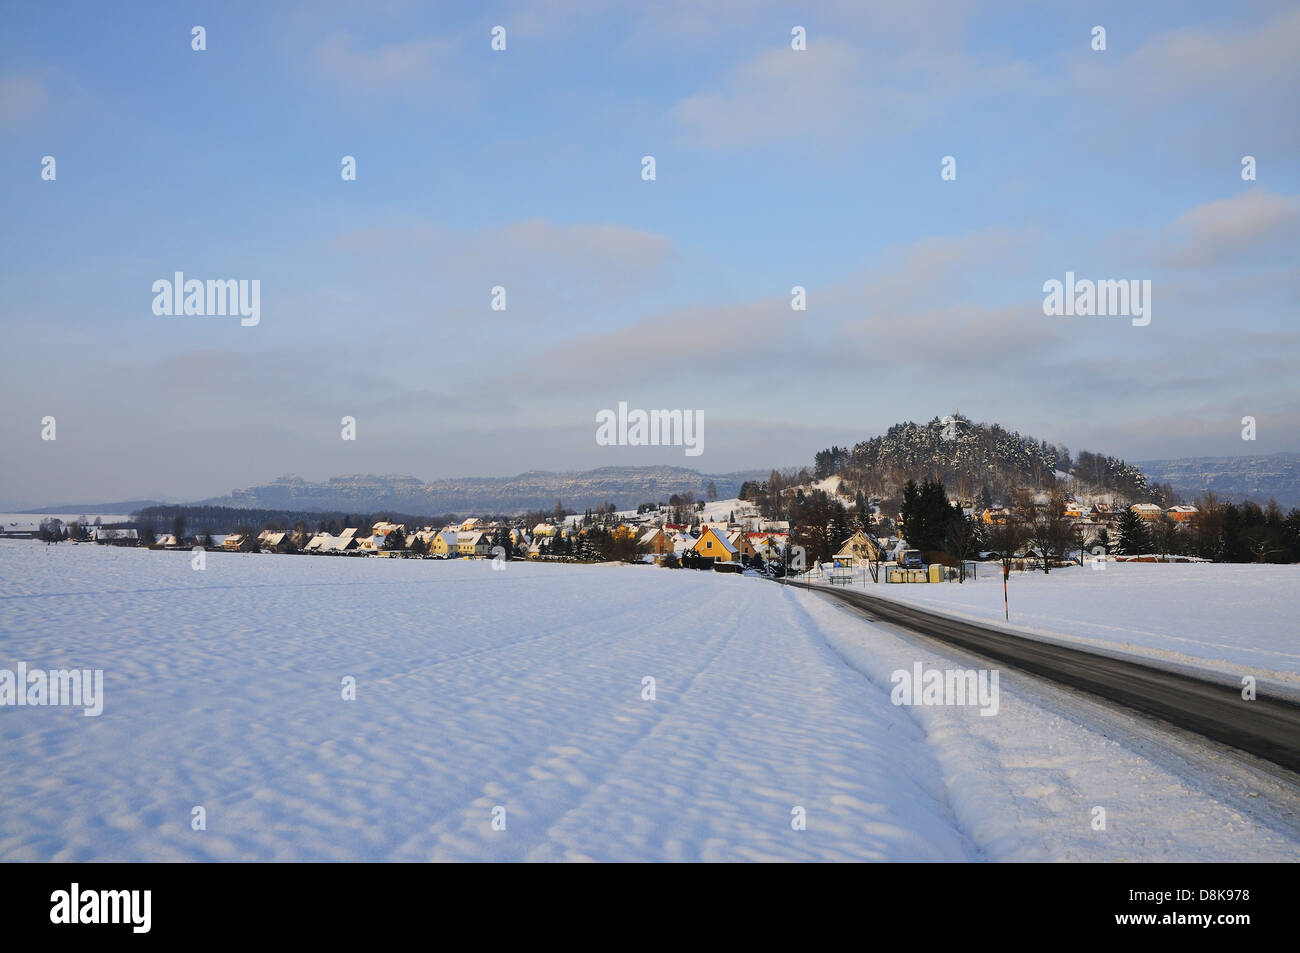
[1265, 726]
[520, 697]
[1227, 618]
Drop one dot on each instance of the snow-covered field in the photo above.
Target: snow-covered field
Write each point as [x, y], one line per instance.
[522, 690]
[1238, 619]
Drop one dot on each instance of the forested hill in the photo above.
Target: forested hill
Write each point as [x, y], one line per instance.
[968, 457]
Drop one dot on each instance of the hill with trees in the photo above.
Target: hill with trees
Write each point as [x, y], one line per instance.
[977, 460]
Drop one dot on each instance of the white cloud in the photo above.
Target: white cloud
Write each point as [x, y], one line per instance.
[416, 68]
[1216, 233]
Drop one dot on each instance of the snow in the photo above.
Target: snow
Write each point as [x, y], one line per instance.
[522, 689]
[475, 688]
[1225, 618]
[1024, 784]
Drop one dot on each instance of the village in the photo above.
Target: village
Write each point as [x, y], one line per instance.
[721, 535]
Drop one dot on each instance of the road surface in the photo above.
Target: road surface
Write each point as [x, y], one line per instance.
[1268, 727]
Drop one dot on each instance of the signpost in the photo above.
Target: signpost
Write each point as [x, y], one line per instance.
[1006, 606]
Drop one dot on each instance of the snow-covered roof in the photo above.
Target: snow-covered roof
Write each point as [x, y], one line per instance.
[712, 531]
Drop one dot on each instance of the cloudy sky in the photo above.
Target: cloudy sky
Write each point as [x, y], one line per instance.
[523, 168]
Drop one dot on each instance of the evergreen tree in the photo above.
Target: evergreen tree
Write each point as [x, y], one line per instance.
[926, 514]
[1134, 537]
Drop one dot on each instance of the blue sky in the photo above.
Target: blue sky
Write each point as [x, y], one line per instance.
[521, 168]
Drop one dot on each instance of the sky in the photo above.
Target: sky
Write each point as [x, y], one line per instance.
[522, 168]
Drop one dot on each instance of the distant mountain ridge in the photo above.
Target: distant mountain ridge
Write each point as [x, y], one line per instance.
[1257, 477]
[625, 487]
[128, 506]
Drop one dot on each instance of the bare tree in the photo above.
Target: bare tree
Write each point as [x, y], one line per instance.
[961, 540]
[1007, 539]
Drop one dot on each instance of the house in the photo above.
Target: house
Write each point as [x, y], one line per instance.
[346, 541]
[1103, 512]
[713, 545]
[1182, 514]
[276, 542]
[444, 544]
[741, 543]
[469, 525]
[232, 542]
[858, 550]
[655, 541]
[425, 536]
[766, 547]
[1073, 510]
[473, 544]
[544, 529]
[379, 534]
[1147, 511]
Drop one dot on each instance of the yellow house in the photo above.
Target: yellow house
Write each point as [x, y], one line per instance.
[473, 544]
[713, 545]
[443, 544]
[1147, 511]
[858, 550]
[742, 544]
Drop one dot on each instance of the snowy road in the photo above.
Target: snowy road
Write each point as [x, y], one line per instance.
[1267, 725]
[523, 690]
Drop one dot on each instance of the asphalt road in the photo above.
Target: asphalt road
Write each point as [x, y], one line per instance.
[1266, 727]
